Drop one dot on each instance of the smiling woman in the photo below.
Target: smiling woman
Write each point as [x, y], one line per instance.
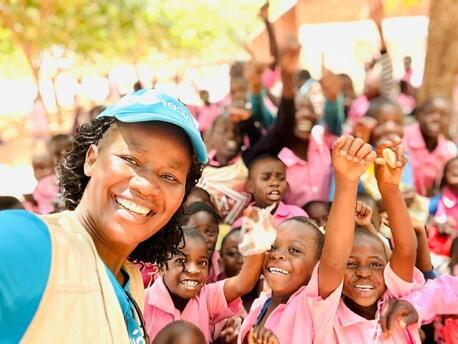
[124, 181]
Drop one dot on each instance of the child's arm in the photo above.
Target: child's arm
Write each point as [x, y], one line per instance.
[258, 236]
[364, 216]
[388, 175]
[423, 262]
[350, 157]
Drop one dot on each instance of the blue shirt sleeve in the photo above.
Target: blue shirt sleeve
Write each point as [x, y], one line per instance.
[25, 261]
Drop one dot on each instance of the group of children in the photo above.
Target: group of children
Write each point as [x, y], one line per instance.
[363, 221]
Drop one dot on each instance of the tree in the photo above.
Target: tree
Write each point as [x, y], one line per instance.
[441, 66]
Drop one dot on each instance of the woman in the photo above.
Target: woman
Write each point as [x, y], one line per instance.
[66, 276]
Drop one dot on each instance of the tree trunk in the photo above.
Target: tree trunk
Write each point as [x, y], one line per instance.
[441, 64]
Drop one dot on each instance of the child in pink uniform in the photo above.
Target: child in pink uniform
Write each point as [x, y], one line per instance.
[372, 276]
[305, 294]
[267, 184]
[181, 292]
[427, 145]
[205, 219]
[448, 203]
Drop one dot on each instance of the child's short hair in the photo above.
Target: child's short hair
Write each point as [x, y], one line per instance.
[310, 204]
[231, 232]
[261, 158]
[197, 207]
[444, 177]
[361, 232]
[203, 192]
[10, 202]
[378, 103]
[318, 235]
[176, 330]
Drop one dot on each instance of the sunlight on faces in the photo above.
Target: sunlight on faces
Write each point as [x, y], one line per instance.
[267, 181]
[306, 117]
[187, 273]
[231, 260]
[364, 282]
[290, 262]
[205, 224]
[134, 188]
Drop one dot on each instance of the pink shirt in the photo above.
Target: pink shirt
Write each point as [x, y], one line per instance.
[303, 319]
[448, 205]
[350, 328]
[206, 115]
[204, 311]
[283, 212]
[437, 296]
[427, 166]
[309, 180]
[214, 268]
[358, 109]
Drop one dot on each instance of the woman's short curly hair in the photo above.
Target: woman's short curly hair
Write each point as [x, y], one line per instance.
[73, 181]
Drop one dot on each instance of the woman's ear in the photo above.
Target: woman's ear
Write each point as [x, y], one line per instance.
[91, 158]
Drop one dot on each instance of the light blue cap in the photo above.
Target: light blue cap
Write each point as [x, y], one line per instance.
[151, 105]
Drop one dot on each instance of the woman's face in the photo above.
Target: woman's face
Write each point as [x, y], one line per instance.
[137, 181]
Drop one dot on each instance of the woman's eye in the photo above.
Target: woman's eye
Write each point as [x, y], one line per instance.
[169, 177]
[129, 160]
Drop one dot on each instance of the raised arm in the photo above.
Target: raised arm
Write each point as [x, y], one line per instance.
[274, 52]
[388, 172]
[351, 158]
[334, 112]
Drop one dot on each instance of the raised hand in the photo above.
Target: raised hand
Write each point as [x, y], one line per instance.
[264, 11]
[262, 335]
[376, 11]
[397, 313]
[330, 84]
[289, 58]
[231, 330]
[351, 157]
[389, 163]
[363, 215]
[363, 128]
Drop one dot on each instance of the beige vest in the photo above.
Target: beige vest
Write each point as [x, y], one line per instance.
[79, 304]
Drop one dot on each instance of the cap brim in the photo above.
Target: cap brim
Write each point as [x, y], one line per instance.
[196, 140]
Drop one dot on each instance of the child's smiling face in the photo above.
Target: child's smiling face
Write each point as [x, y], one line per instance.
[290, 262]
[187, 273]
[364, 281]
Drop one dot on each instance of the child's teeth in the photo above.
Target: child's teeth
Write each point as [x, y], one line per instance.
[364, 287]
[278, 271]
[190, 284]
[129, 205]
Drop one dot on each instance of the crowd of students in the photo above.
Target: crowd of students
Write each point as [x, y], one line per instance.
[362, 193]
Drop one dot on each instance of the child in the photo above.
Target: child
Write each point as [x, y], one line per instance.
[10, 202]
[294, 312]
[231, 262]
[198, 194]
[318, 211]
[448, 203]
[371, 277]
[205, 219]
[181, 291]
[180, 332]
[267, 185]
[427, 145]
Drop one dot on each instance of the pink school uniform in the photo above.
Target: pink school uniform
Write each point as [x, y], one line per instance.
[448, 205]
[206, 115]
[350, 328]
[305, 318]
[309, 180]
[427, 166]
[204, 311]
[283, 212]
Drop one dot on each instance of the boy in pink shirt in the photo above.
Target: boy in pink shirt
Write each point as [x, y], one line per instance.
[426, 144]
[267, 184]
[181, 292]
[305, 294]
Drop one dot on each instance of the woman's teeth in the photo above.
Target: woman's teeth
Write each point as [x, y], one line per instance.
[190, 283]
[364, 287]
[304, 126]
[133, 207]
[278, 271]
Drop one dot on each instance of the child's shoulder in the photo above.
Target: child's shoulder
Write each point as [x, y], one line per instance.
[397, 287]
